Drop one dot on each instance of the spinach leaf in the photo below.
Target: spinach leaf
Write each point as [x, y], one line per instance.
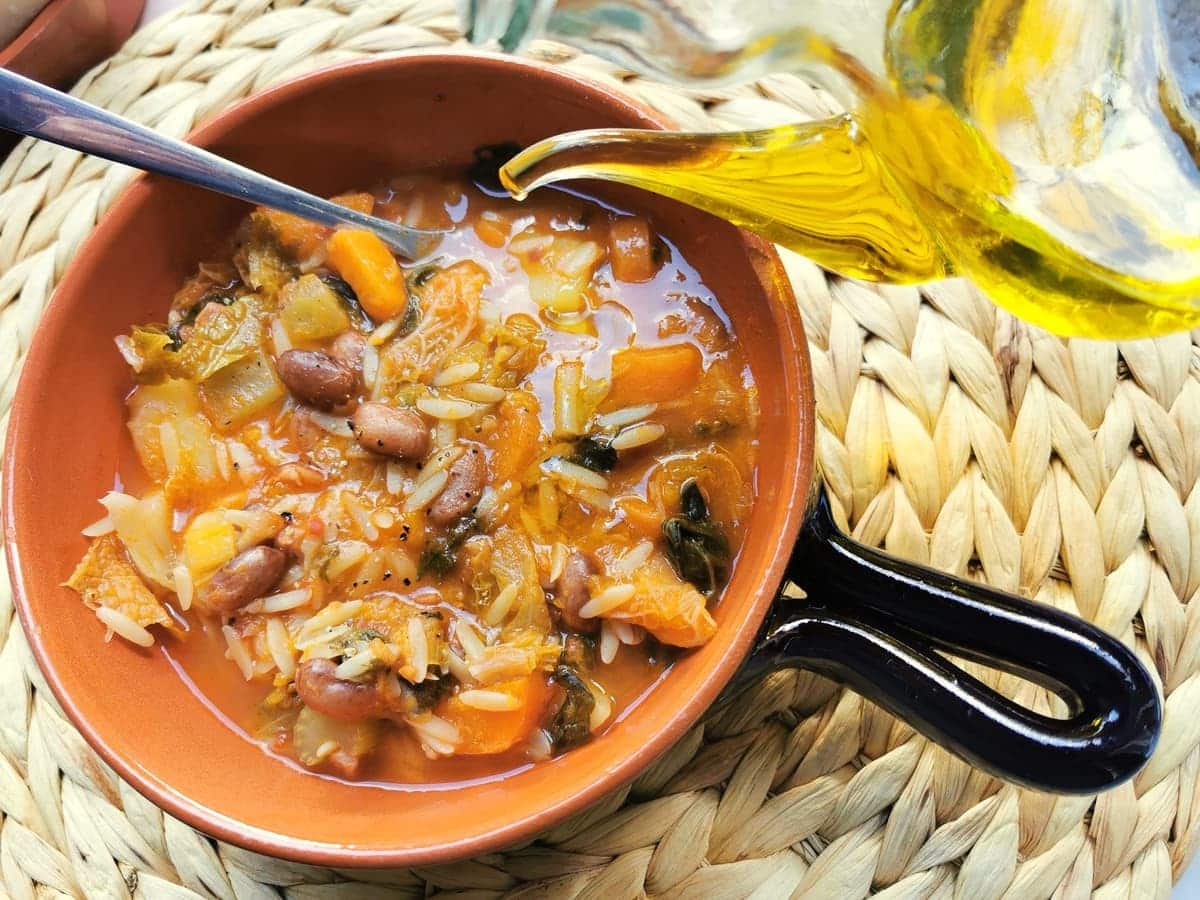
[422, 276]
[437, 560]
[431, 690]
[594, 453]
[412, 310]
[325, 555]
[696, 546]
[355, 641]
[348, 298]
[578, 652]
[691, 501]
[441, 555]
[412, 317]
[572, 723]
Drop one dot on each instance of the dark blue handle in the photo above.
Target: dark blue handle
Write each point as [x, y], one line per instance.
[876, 622]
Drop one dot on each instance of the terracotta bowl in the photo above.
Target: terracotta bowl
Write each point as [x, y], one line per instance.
[869, 619]
[64, 40]
[67, 37]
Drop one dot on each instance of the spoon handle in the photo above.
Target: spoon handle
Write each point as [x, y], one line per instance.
[33, 109]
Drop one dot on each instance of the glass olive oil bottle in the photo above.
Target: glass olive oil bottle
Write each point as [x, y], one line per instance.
[1044, 149]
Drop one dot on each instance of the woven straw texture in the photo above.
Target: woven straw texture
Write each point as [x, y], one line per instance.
[949, 433]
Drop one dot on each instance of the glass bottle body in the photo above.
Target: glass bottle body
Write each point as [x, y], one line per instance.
[1042, 148]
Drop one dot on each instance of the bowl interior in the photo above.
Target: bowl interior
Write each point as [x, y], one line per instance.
[333, 130]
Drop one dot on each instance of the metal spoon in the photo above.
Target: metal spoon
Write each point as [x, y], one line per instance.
[33, 109]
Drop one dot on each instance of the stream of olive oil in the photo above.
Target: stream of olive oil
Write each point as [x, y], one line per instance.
[902, 190]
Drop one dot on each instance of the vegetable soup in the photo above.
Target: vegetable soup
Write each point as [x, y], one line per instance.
[427, 522]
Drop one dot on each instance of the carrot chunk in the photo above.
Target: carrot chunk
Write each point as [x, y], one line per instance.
[653, 375]
[363, 259]
[516, 440]
[303, 238]
[492, 228]
[484, 731]
[631, 249]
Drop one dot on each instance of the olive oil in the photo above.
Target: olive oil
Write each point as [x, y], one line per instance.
[1032, 146]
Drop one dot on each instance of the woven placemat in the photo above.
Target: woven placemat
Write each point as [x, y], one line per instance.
[949, 433]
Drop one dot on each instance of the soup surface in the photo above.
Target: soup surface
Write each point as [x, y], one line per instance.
[430, 522]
